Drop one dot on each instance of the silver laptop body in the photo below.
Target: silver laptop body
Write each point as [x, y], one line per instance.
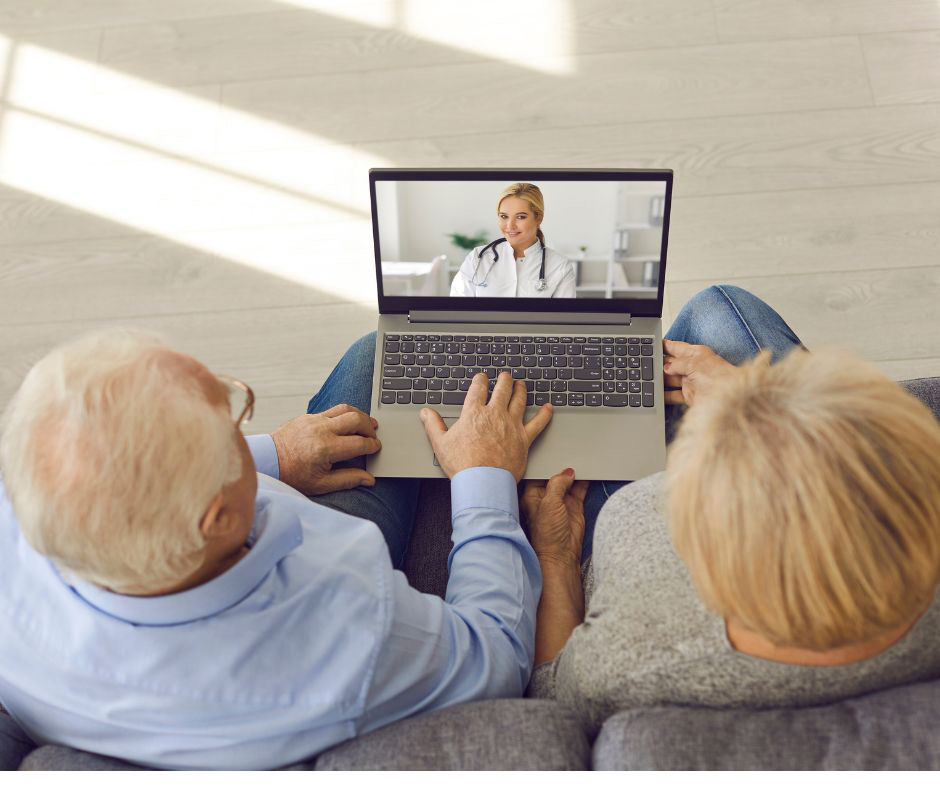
[599, 360]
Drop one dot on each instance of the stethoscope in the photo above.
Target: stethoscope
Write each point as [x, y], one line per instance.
[491, 246]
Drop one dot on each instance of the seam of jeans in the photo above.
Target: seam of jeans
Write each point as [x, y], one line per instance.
[737, 311]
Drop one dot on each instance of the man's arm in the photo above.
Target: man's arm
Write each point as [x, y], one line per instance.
[264, 453]
[479, 642]
[302, 452]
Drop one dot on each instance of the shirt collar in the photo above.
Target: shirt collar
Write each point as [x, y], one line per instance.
[274, 535]
[532, 249]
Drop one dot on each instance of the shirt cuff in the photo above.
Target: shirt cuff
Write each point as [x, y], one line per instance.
[484, 488]
[264, 453]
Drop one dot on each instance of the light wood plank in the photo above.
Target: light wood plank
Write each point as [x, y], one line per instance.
[711, 156]
[883, 316]
[903, 67]
[873, 227]
[751, 20]
[27, 218]
[272, 412]
[910, 368]
[284, 43]
[287, 352]
[119, 278]
[690, 82]
[29, 17]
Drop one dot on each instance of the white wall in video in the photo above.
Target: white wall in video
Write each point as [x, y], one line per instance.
[545, 239]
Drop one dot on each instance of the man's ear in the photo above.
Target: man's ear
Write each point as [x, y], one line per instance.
[216, 521]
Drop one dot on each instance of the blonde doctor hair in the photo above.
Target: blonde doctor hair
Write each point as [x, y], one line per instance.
[532, 194]
[110, 457]
[804, 498]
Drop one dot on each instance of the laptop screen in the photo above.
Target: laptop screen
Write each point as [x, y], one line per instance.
[554, 240]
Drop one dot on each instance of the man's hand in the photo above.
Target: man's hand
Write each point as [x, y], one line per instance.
[693, 369]
[487, 435]
[308, 446]
[554, 511]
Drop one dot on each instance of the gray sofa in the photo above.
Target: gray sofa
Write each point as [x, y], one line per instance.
[897, 728]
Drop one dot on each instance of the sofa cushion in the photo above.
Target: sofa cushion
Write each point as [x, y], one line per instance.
[493, 734]
[54, 758]
[893, 729]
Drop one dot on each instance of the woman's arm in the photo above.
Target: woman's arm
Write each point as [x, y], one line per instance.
[561, 608]
[554, 512]
[461, 285]
[566, 288]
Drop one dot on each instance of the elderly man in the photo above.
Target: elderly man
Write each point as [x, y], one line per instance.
[171, 596]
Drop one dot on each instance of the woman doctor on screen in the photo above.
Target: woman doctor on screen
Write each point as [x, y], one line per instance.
[518, 264]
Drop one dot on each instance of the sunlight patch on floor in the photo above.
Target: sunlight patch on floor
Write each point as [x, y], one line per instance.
[148, 157]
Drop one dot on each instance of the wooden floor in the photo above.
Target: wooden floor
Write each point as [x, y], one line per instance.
[199, 167]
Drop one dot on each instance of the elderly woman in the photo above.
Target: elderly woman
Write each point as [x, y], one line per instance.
[790, 555]
[519, 264]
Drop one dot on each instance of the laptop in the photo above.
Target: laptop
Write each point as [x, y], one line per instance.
[554, 275]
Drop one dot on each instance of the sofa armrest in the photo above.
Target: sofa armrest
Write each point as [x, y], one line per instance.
[927, 390]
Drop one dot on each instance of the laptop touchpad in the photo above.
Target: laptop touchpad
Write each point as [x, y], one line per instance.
[449, 422]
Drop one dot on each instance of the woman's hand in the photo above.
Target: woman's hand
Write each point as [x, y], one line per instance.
[308, 446]
[692, 370]
[554, 512]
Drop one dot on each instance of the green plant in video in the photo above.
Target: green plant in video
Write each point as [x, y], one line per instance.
[467, 241]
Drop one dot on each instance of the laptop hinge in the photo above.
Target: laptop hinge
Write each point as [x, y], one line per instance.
[566, 318]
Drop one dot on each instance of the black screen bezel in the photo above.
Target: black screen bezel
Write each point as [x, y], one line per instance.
[639, 307]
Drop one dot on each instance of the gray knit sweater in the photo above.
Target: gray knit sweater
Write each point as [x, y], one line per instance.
[647, 639]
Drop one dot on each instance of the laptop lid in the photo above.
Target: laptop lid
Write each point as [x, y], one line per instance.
[602, 246]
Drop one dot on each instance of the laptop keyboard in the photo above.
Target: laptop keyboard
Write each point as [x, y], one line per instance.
[577, 372]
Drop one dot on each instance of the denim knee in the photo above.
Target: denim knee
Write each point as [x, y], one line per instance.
[351, 379]
[364, 346]
[705, 304]
[705, 312]
[712, 317]
[735, 323]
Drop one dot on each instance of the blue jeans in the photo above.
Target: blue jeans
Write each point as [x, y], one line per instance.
[737, 326]
[731, 321]
[391, 504]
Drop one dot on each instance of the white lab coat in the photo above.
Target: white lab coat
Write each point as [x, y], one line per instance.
[507, 278]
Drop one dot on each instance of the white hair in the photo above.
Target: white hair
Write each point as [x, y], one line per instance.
[111, 455]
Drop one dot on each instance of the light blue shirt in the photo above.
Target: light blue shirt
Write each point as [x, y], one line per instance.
[310, 639]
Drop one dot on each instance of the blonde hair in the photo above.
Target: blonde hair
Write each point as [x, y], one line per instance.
[111, 457]
[804, 499]
[532, 194]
